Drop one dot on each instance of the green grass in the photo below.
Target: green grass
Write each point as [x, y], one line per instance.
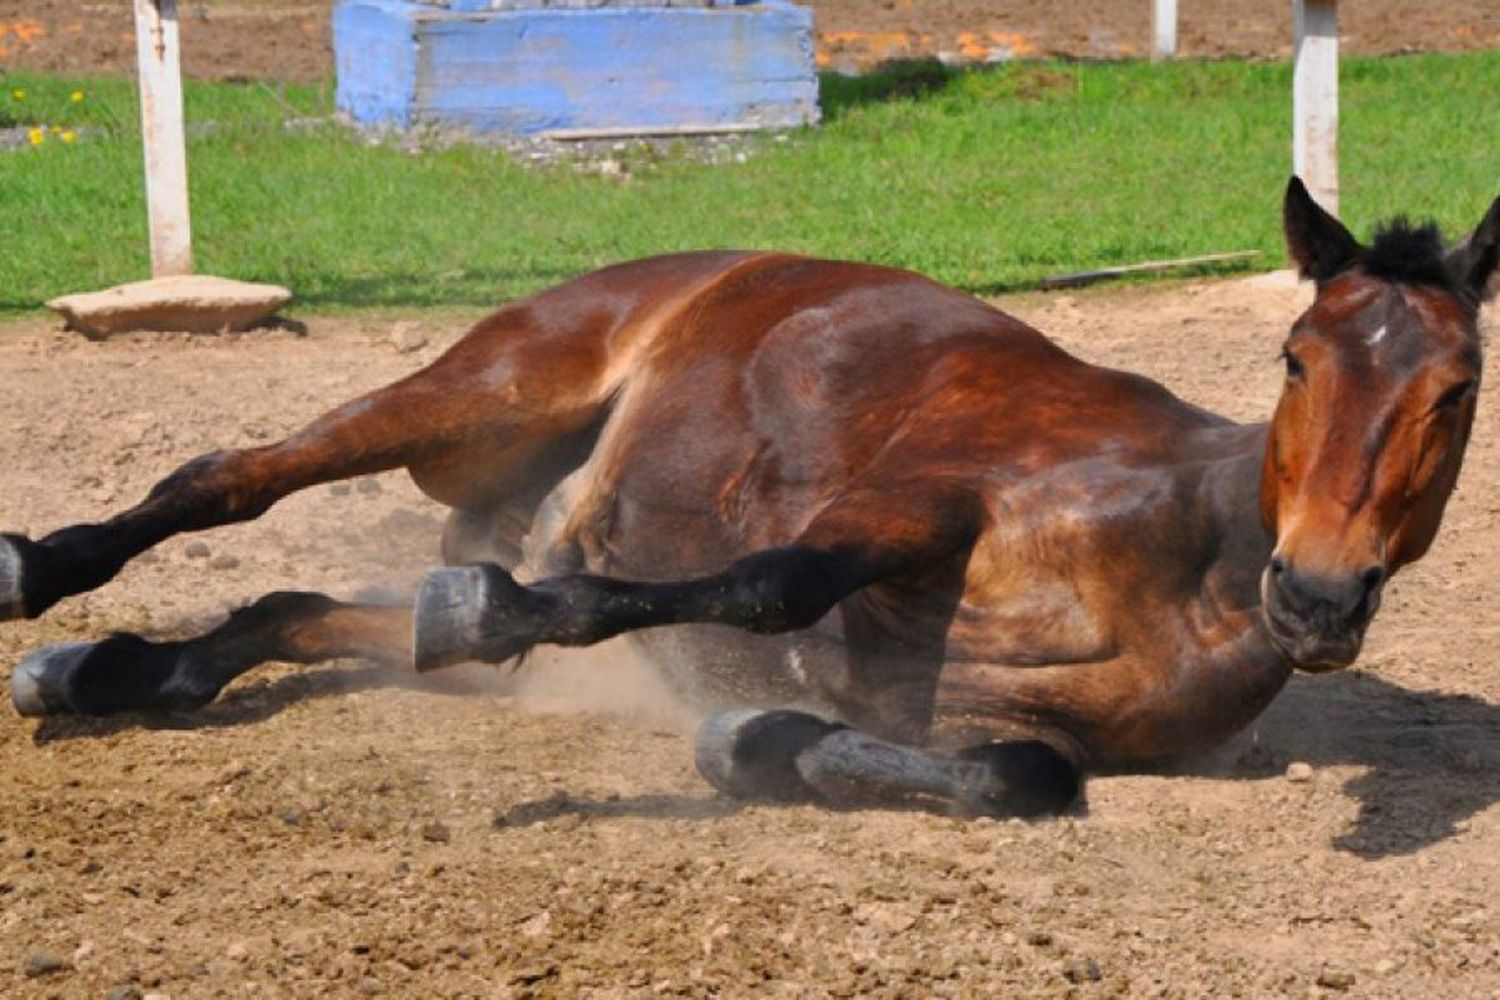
[988, 179]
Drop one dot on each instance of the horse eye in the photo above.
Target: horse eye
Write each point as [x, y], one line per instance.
[1454, 395]
[1293, 366]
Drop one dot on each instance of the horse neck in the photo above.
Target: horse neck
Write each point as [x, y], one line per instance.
[1230, 494]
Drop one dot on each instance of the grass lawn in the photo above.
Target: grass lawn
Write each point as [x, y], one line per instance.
[989, 179]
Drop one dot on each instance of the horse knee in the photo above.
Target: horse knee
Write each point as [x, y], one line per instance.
[1022, 778]
[781, 590]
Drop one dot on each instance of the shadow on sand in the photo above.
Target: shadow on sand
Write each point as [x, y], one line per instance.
[1431, 760]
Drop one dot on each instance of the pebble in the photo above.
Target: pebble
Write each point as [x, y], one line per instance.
[196, 550]
[370, 486]
[408, 337]
[1082, 970]
[237, 950]
[42, 964]
[1336, 977]
[1385, 967]
[339, 489]
[126, 991]
[1299, 772]
[436, 833]
[223, 562]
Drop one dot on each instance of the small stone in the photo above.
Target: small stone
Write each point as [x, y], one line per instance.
[436, 833]
[237, 950]
[223, 562]
[408, 337]
[339, 489]
[232, 772]
[83, 953]
[1298, 772]
[370, 486]
[125, 991]
[196, 550]
[42, 964]
[1038, 939]
[90, 867]
[1335, 977]
[1385, 967]
[528, 975]
[1082, 970]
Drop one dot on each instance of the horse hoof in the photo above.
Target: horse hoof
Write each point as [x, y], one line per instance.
[449, 620]
[40, 683]
[12, 602]
[750, 754]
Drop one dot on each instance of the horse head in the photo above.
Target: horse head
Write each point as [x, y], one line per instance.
[1366, 442]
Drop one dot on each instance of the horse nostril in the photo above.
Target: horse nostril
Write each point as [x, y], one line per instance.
[1372, 577]
[1278, 565]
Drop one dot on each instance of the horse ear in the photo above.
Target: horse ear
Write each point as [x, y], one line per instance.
[1474, 261]
[1318, 242]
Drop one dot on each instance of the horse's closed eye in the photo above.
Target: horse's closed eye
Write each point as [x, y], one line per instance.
[1455, 395]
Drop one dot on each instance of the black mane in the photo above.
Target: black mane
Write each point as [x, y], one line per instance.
[1411, 253]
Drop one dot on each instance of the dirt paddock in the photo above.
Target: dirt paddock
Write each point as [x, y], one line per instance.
[346, 831]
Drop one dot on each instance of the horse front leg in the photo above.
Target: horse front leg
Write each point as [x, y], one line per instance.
[128, 673]
[793, 756]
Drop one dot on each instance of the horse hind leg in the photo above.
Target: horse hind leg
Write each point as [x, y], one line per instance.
[432, 422]
[128, 673]
[793, 756]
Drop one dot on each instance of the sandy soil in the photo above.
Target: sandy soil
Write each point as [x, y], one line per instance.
[284, 39]
[344, 831]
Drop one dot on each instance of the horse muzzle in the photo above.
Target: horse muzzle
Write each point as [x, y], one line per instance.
[1318, 620]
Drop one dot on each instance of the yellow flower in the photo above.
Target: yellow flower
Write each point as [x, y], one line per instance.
[18, 94]
[68, 135]
[36, 136]
[76, 97]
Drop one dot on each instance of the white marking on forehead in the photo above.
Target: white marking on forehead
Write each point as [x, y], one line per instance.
[1379, 335]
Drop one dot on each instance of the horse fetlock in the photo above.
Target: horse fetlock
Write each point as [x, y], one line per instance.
[472, 613]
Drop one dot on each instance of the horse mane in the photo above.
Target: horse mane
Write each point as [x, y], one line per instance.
[1410, 253]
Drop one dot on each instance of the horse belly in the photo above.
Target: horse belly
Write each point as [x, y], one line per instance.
[713, 667]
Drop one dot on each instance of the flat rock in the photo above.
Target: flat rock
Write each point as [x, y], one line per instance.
[196, 303]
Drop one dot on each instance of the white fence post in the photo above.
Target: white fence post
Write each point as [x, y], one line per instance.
[1315, 98]
[162, 133]
[1163, 29]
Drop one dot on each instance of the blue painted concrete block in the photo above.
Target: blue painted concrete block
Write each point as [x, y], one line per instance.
[630, 66]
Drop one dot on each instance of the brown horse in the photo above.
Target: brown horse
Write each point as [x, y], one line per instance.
[997, 566]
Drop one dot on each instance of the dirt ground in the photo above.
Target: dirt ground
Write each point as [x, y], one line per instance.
[283, 39]
[346, 831]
